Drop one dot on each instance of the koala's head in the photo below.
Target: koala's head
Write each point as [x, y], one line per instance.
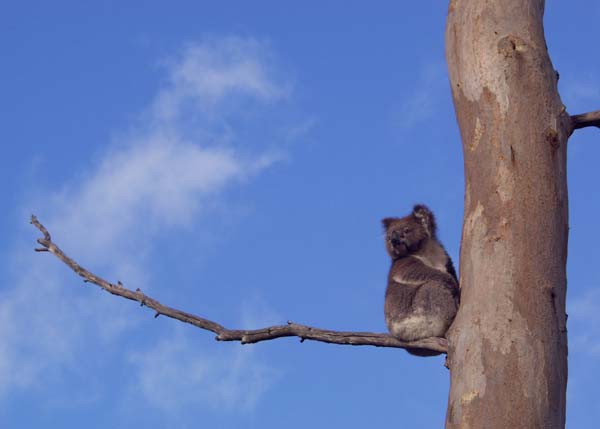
[405, 235]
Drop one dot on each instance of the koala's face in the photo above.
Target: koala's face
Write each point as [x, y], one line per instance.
[403, 235]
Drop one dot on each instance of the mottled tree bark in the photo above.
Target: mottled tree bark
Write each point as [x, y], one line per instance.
[508, 344]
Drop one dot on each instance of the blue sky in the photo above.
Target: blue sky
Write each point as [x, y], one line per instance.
[234, 159]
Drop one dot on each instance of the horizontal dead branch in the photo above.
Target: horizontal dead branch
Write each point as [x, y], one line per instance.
[439, 345]
[590, 119]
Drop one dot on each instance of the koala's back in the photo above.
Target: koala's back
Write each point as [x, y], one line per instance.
[420, 301]
[422, 294]
[415, 312]
[398, 306]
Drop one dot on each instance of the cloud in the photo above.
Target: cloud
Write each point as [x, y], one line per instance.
[165, 171]
[162, 174]
[206, 75]
[423, 102]
[175, 375]
[158, 182]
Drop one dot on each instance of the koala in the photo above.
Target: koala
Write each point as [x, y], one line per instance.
[422, 295]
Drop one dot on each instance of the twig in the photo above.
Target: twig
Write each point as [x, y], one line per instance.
[590, 119]
[433, 344]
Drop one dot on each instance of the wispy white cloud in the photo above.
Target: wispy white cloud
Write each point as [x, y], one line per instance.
[424, 100]
[174, 375]
[208, 74]
[164, 174]
[165, 171]
[159, 181]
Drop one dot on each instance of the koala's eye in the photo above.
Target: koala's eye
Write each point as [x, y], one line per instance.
[406, 230]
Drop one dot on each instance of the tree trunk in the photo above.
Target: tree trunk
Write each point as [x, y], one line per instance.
[508, 344]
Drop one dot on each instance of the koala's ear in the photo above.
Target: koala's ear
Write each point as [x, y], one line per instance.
[387, 222]
[425, 217]
[421, 211]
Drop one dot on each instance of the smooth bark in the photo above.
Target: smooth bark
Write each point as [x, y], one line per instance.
[508, 344]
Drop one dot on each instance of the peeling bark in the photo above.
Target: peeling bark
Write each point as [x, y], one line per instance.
[508, 344]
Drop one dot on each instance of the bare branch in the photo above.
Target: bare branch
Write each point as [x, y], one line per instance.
[590, 119]
[439, 345]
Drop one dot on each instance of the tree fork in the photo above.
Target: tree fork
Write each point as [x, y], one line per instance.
[508, 344]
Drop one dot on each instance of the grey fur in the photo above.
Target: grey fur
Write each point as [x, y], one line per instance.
[422, 293]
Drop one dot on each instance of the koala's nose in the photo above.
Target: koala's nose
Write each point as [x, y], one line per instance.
[397, 237]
